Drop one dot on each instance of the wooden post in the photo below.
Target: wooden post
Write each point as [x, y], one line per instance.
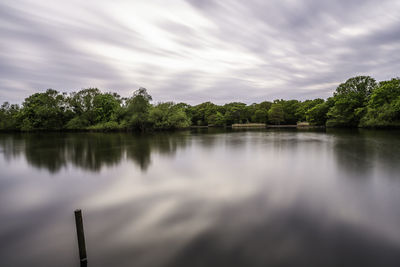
[81, 237]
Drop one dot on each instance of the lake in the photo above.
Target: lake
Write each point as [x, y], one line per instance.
[202, 198]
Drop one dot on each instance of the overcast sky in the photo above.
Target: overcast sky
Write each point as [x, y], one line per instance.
[196, 50]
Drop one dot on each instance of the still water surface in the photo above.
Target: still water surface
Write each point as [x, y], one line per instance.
[202, 198]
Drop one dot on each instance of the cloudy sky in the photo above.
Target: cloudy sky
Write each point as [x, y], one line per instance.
[196, 50]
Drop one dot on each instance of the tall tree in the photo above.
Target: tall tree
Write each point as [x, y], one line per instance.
[276, 113]
[383, 108]
[137, 110]
[350, 100]
[44, 111]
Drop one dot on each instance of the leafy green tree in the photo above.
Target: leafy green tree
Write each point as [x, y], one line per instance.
[304, 107]
[383, 108]
[83, 107]
[235, 113]
[187, 109]
[106, 107]
[317, 115]
[216, 119]
[202, 112]
[350, 100]
[276, 113]
[137, 110]
[357, 102]
[260, 116]
[9, 116]
[259, 112]
[44, 111]
[168, 116]
[290, 108]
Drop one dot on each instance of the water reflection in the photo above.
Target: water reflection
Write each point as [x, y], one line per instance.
[202, 198]
[359, 151]
[89, 151]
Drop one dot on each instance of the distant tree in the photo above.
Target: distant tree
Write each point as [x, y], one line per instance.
[137, 110]
[9, 119]
[304, 107]
[359, 101]
[317, 115]
[202, 112]
[276, 113]
[44, 111]
[290, 108]
[259, 112]
[383, 109]
[235, 113]
[260, 115]
[217, 119]
[83, 108]
[168, 116]
[350, 100]
[106, 107]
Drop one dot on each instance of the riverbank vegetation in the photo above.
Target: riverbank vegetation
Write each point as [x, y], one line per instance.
[358, 102]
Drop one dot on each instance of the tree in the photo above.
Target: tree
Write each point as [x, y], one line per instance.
[168, 116]
[137, 110]
[304, 107]
[317, 115]
[259, 112]
[44, 111]
[83, 108]
[9, 116]
[202, 112]
[276, 114]
[216, 119]
[350, 100]
[290, 108]
[235, 113]
[383, 109]
[260, 115]
[106, 107]
[357, 102]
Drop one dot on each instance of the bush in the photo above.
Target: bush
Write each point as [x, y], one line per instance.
[105, 126]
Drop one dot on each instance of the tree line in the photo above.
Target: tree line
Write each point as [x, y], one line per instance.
[358, 102]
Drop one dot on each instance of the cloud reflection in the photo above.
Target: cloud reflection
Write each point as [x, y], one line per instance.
[299, 201]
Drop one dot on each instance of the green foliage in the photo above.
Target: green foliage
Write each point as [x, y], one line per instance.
[236, 112]
[350, 100]
[357, 102]
[276, 113]
[216, 119]
[44, 111]
[77, 123]
[168, 116]
[259, 112]
[284, 112]
[90, 107]
[202, 113]
[82, 105]
[106, 107]
[105, 126]
[137, 111]
[9, 115]
[383, 108]
[290, 108]
[317, 115]
[304, 107]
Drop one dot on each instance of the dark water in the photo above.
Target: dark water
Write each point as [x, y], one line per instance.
[202, 198]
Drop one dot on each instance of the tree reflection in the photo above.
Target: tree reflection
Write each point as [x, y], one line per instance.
[362, 150]
[89, 151]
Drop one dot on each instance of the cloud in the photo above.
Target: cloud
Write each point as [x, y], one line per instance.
[196, 51]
